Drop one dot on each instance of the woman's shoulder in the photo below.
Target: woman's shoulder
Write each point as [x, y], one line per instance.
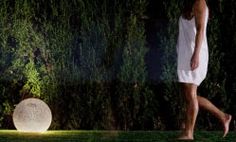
[200, 4]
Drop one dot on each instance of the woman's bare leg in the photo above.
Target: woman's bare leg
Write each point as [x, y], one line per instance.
[190, 92]
[224, 118]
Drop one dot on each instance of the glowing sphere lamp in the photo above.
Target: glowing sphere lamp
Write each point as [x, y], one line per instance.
[32, 115]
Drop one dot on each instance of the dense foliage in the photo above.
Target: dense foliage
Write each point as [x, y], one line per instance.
[89, 60]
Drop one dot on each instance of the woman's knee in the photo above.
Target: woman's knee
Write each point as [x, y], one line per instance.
[190, 94]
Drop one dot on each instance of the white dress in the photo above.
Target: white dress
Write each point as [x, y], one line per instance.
[185, 48]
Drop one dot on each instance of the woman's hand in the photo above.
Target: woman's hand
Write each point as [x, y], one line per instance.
[194, 62]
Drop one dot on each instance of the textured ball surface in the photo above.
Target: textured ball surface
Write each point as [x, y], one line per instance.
[32, 115]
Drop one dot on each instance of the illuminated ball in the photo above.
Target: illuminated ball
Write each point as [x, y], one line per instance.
[32, 115]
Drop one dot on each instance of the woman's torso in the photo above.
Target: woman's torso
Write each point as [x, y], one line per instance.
[186, 42]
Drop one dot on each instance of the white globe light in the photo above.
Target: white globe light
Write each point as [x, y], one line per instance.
[32, 115]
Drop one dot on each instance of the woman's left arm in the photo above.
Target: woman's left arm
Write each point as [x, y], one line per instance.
[199, 13]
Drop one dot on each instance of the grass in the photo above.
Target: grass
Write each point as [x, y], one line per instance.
[110, 136]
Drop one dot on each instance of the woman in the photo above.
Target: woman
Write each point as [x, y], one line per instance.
[192, 51]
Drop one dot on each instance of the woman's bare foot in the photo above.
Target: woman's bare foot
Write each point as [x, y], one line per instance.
[185, 136]
[226, 123]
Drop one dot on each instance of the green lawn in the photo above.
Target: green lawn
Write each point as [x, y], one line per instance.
[110, 136]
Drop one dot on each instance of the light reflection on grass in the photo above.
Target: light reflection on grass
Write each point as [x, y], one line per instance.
[108, 136]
